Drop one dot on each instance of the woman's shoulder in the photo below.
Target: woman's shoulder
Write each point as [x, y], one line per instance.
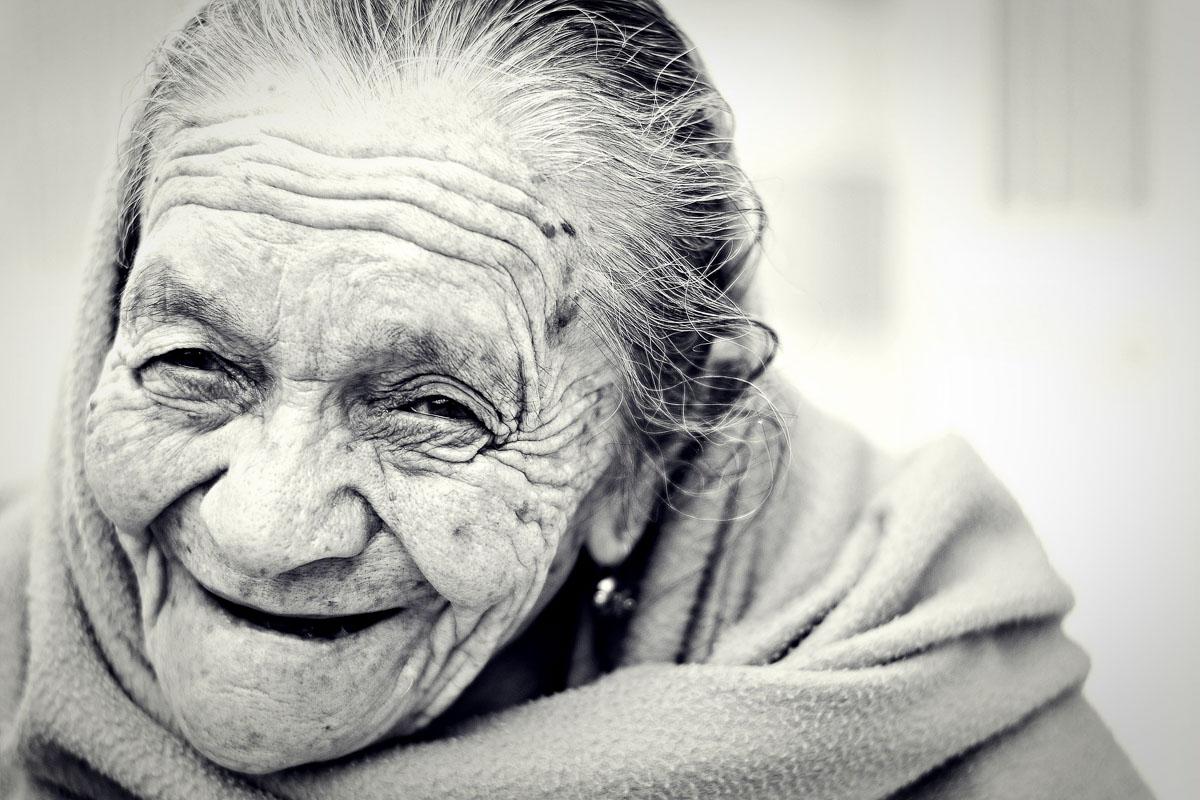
[1063, 751]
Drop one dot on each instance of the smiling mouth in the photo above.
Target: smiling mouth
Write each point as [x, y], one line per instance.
[304, 627]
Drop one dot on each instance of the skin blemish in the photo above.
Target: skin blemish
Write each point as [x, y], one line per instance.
[525, 513]
[569, 229]
[313, 700]
[565, 312]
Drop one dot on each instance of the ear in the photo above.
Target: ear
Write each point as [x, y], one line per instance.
[619, 521]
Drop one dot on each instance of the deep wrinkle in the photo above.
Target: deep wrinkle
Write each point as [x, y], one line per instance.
[511, 192]
[503, 223]
[340, 172]
[337, 487]
[162, 299]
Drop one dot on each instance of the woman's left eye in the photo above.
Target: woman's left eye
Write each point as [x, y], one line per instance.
[441, 406]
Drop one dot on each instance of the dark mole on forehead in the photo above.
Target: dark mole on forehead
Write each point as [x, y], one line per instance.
[550, 230]
[564, 314]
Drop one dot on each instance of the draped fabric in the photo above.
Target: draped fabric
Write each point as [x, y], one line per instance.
[816, 620]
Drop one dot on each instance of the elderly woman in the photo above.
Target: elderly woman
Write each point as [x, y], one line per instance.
[414, 387]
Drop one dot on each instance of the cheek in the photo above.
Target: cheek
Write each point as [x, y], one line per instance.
[488, 536]
[480, 542]
[138, 458]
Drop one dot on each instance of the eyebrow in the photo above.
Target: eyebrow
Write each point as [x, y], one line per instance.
[161, 296]
[472, 355]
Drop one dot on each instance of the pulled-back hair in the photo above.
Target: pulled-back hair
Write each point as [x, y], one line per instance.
[608, 92]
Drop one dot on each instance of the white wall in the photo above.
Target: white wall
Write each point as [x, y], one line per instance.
[1065, 344]
[66, 68]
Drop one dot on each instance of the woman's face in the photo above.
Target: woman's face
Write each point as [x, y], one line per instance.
[345, 427]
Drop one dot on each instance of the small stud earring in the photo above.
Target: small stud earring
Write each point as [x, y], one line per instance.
[611, 599]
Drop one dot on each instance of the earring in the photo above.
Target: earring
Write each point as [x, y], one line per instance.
[611, 599]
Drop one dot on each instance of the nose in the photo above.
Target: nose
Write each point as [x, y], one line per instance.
[285, 502]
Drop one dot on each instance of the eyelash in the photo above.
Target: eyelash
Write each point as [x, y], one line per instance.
[184, 354]
[453, 409]
[199, 374]
[440, 405]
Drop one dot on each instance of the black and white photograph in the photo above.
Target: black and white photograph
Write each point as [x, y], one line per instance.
[514, 399]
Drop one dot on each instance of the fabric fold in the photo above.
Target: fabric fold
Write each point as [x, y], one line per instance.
[935, 629]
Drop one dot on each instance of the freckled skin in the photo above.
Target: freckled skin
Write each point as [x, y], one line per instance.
[311, 409]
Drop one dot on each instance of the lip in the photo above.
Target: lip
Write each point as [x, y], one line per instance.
[338, 692]
[301, 626]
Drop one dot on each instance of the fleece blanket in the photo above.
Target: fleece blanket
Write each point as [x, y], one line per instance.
[815, 621]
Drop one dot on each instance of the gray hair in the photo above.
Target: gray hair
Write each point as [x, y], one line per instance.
[609, 92]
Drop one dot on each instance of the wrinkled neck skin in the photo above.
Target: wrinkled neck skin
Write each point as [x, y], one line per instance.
[346, 432]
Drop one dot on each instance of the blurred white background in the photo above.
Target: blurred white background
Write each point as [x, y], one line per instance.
[985, 217]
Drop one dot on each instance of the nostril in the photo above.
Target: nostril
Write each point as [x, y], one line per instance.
[352, 522]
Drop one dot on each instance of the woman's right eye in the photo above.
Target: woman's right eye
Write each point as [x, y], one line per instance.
[192, 358]
[192, 373]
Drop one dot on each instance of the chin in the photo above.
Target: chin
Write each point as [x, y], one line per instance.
[257, 699]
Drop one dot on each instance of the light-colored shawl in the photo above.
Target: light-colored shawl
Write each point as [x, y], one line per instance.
[844, 627]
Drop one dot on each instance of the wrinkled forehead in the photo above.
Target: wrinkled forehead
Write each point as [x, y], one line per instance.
[436, 181]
